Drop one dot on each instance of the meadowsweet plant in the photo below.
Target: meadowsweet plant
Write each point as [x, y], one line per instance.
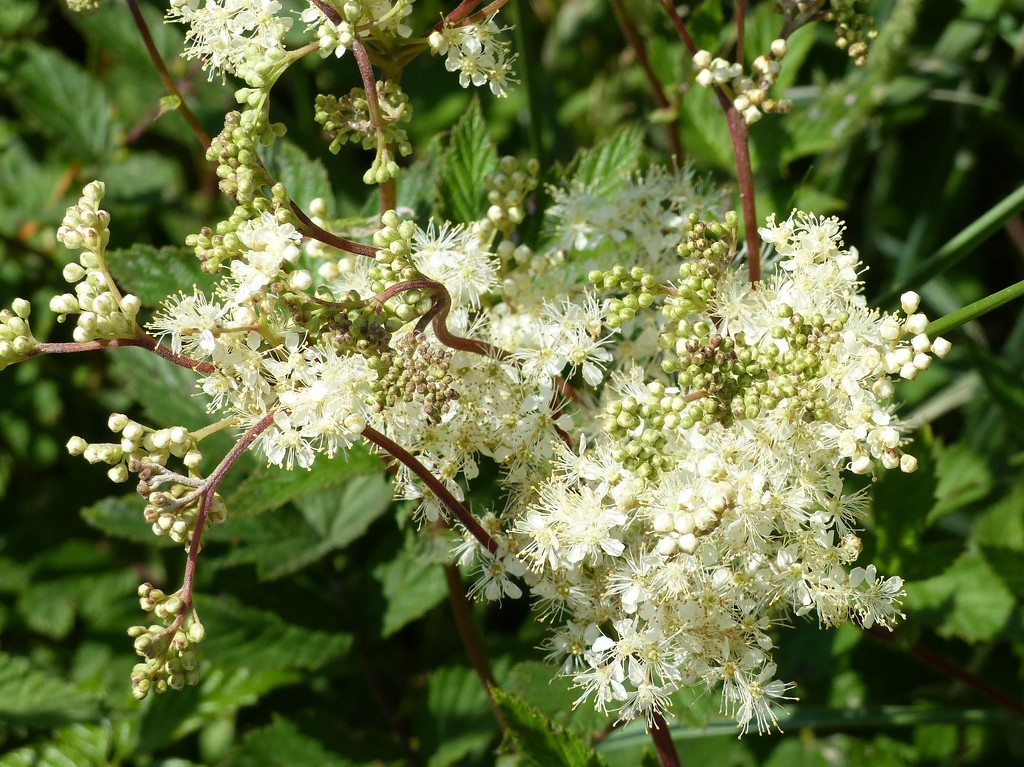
[633, 401]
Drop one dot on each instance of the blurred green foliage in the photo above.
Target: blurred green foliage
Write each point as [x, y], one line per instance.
[329, 643]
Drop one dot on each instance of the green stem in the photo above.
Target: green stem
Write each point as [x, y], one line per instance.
[960, 246]
[973, 311]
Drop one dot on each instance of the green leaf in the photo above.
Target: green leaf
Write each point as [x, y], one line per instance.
[155, 274]
[270, 487]
[412, 583]
[604, 167]
[962, 477]
[289, 540]
[63, 101]
[143, 178]
[540, 740]
[459, 721]
[470, 157]
[280, 744]
[535, 683]
[245, 637]
[79, 745]
[968, 601]
[305, 178]
[121, 517]
[33, 698]
[1002, 524]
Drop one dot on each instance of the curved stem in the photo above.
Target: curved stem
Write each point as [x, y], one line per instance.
[210, 485]
[165, 76]
[438, 317]
[434, 484]
[310, 229]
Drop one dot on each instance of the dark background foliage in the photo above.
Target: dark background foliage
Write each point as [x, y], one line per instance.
[329, 639]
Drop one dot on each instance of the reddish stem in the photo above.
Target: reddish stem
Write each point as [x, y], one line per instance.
[470, 636]
[438, 315]
[434, 484]
[662, 738]
[211, 484]
[320, 234]
[741, 23]
[640, 51]
[165, 76]
[142, 341]
[387, 188]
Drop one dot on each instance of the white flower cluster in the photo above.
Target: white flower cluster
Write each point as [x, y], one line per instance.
[672, 576]
[230, 35]
[665, 508]
[477, 53]
[357, 18]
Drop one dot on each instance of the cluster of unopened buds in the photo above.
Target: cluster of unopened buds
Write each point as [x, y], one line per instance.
[173, 501]
[16, 341]
[749, 93]
[507, 191]
[168, 647]
[138, 444]
[103, 312]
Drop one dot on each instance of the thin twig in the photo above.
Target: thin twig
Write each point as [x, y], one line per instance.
[434, 485]
[470, 636]
[141, 340]
[165, 76]
[632, 36]
[310, 229]
[387, 187]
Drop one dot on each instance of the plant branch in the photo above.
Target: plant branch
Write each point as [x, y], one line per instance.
[662, 738]
[640, 51]
[210, 485]
[310, 229]
[437, 317]
[387, 188]
[165, 76]
[434, 484]
[141, 340]
[469, 635]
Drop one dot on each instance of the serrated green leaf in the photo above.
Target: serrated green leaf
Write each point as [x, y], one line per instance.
[121, 517]
[341, 520]
[244, 637]
[269, 487]
[540, 740]
[412, 584]
[56, 95]
[604, 167]
[48, 608]
[470, 157]
[170, 717]
[33, 698]
[155, 274]
[968, 601]
[280, 744]
[80, 745]
[553, 696]
[1002, 524]
[303, 177]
